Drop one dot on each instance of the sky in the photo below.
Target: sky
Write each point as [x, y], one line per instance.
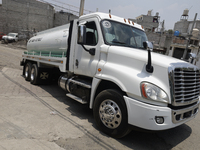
[169, 10]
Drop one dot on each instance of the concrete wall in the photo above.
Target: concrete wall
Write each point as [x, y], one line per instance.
[160, 41]
[61, 18]
[18, 15]
[30, 15]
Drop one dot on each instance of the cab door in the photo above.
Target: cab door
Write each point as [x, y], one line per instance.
[85, 63]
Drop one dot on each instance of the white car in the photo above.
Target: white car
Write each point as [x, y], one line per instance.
[11, 37]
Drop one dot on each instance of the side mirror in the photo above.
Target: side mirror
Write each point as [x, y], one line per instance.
[81, 34]
[148, 45]
[193, 56]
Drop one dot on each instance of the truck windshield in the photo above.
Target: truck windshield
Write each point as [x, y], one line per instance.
[119, 34]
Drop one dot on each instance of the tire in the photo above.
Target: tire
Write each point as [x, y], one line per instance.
[27, 71]
[110, 113]
[34, 74]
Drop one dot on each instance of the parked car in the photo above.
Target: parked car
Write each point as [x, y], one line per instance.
[1, 35]
[11, 37]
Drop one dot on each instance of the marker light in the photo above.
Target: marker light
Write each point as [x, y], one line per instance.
[152, 92]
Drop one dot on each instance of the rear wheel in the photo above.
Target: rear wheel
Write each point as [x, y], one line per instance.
[34, 74]
[27, 71]
[110, 113]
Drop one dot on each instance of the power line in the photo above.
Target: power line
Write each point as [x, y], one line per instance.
[60, 7]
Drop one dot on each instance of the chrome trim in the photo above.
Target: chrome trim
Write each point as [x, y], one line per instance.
[81, 83]
[182, 91]
[110, 114]
[62, 82]
[78, 99]
[184, 114]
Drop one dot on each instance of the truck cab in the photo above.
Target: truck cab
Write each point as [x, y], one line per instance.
[108, 63]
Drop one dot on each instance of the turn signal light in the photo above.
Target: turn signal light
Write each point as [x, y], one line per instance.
[143, 90]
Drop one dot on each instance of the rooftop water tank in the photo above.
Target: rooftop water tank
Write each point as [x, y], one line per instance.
[185, 12]
[195, 32]
[176, 33]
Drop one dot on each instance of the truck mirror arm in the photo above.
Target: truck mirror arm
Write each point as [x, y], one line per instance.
[149, 67]
[91, 51]
[147, 45]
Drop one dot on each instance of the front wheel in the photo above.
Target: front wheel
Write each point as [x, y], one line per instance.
[110, 113]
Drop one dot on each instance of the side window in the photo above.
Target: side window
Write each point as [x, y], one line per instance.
[91, 34]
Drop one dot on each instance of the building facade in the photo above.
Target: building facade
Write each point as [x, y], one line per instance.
[149, 22]
[184, 39]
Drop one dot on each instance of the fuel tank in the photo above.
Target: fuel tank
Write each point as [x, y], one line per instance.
[50, 42]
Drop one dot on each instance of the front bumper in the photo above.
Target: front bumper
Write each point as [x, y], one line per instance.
[143, 115]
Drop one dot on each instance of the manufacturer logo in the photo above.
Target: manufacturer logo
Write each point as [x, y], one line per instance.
[44, 75]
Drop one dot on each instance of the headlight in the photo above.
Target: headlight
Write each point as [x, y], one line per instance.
[152, 92]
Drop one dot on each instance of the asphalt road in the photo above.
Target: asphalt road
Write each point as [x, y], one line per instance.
[43, 118]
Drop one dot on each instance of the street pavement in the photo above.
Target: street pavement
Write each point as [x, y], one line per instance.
[43, 118]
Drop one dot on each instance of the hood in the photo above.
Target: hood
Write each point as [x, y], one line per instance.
[142, 56]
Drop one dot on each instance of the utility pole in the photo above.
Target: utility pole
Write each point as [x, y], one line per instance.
[189, 36]
[6, 17]
[81, 8]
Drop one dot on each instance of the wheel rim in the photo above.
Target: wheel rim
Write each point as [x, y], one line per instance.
[32, 74]
[110, 114]
[26, 71]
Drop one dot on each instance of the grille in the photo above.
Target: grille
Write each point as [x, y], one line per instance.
[186, 88]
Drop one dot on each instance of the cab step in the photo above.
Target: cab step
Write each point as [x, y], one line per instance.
[76, 98]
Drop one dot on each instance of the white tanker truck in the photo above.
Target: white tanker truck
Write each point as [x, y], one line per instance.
[106, 62]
